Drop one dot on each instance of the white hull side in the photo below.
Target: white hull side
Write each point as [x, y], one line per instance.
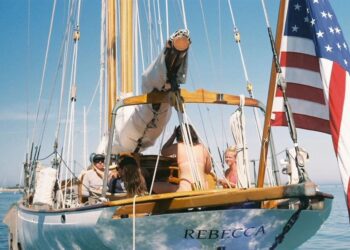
[232, 228]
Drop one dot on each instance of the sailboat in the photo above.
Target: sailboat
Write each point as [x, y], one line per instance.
[259, 213]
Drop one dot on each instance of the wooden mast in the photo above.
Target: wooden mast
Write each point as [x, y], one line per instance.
[270, 98]
[111, 60]
[126, 44]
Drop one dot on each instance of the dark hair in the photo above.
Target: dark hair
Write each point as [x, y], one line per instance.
[193, 134]
[135, 183]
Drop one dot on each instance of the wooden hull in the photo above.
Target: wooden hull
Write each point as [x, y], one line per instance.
[98, 228]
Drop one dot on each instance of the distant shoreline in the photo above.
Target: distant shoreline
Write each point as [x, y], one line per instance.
[10, 190]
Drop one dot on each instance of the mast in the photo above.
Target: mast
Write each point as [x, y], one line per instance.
[271, 94]
[111, 59]
[126, 44]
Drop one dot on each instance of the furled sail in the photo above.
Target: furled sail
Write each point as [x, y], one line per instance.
[137, 127]
[315, 63]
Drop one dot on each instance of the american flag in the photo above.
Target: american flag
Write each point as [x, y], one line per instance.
[315, 62]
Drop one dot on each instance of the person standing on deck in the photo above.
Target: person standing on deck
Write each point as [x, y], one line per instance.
[178, 150]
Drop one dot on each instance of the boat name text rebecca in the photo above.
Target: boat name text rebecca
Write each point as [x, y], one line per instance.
[224, 233]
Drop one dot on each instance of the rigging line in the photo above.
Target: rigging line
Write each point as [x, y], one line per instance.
[48, 108]
[61, 63]
[160, 25]
[44, 70]
[102, 78]
[237, 36]
[71, 103]
[134, 222]
[207, 37]
[28, 70]
[150, 30]
[198, 106]
[220, 41]
[249, 85]
[185, 129]
[157, 162]
[184, 14]
[65, 45]
[202, 122]
[85, 151]
[167, 17]
[214, 163]
[156, 38]
[93, 96]
[140, 37]
[181, 117]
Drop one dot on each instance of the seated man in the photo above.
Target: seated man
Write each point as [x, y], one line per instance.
[93, 178]
[200, 155]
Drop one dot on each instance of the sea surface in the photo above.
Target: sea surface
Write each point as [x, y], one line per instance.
[334, 233]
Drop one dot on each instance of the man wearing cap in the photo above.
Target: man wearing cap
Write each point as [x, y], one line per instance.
[93, 178]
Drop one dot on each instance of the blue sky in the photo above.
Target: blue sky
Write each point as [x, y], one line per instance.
[23, 42]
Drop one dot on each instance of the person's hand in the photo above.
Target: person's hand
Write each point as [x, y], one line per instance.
[113, 174]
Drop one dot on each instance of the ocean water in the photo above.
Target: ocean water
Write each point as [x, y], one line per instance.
[334, 233]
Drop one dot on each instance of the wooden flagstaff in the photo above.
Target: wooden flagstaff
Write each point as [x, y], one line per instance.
[111, 59]
[270, 98]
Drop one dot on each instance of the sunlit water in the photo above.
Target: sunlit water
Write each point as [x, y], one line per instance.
[334, 233]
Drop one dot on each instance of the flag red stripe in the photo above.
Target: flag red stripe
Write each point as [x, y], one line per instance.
[299, 60]
[304, 92]
[336, 101]
[302, 121]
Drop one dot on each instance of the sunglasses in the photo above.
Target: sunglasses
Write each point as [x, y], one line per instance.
[99, 160]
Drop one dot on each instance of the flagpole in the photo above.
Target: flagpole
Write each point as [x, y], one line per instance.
[272, 90]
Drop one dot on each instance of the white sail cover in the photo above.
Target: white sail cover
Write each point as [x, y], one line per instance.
[315, 57]
[237, 123]
[44, 184]
[139, 126]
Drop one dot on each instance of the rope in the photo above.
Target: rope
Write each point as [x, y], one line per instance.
[207, 38]
[140, 36]
[150, 30]
[167, 18]
[188, 142]
[214, 162]
[102, 78]
[160, 25]
[157, 162]
[184, 14]
[44, 70]
[134, 223]
[68, 36]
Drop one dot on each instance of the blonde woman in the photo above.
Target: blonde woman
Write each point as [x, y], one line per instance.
[231, 175]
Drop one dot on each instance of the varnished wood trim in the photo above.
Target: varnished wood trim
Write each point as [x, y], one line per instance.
[198, 96]
[221, 198]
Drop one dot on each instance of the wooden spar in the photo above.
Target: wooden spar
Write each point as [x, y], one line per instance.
[126, 44]
[111, 60]
[271, 94]
[198, 96]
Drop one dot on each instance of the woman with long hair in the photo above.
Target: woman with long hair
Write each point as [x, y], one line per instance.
[131, 174]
